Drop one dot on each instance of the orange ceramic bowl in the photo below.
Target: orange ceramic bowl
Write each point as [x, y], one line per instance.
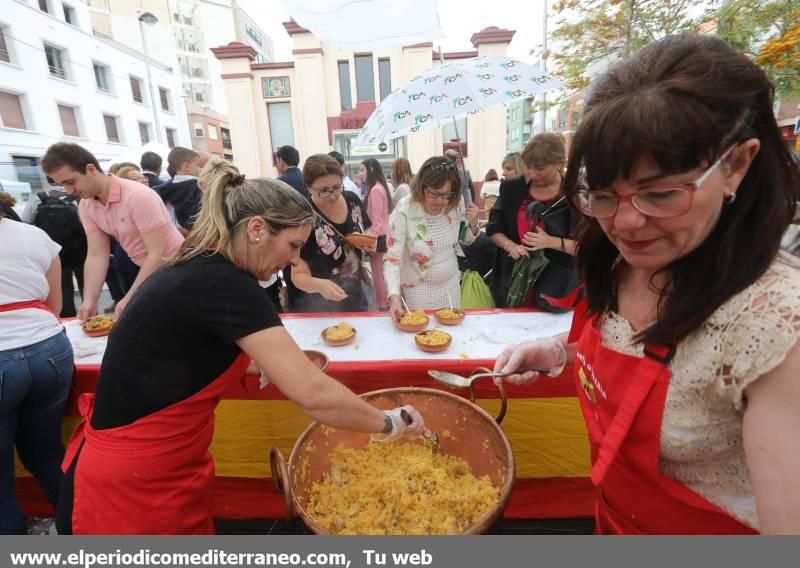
[338, 342]
[98, 332]
[432, 348]
[318, 358]
[413, 327]
[449, 321]
[92, 331]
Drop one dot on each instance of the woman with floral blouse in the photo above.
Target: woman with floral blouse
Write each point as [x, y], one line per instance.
[426, 229]
[327, 277]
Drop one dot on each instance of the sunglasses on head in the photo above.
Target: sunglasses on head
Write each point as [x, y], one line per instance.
[449, 166]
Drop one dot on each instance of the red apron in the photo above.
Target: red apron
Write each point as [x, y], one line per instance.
[154, 476]
[32, 304]
[622, 399]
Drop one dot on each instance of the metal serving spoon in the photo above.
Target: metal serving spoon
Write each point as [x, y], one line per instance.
[453, 380]
[431, 438]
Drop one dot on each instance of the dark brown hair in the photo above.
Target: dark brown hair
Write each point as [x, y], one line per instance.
[682, 101]
[177, 157]
[491, 175]
[6, 201]
[428, 178]
[544, 149]
[320, 165]
[66, 154]
[375, 175]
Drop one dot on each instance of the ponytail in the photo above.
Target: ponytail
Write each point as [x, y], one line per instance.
[229, 201]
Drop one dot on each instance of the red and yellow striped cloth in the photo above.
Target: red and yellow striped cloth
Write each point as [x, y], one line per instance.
[543, 423]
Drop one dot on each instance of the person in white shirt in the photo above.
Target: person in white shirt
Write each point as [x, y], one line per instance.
[36, 364]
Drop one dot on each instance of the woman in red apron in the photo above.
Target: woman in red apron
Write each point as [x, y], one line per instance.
[684, 343]
[36, 365]
[139, 462]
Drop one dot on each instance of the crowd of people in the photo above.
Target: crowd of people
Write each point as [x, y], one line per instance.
[684, 338]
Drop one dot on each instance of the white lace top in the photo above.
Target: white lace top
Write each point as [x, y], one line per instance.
[701, 433]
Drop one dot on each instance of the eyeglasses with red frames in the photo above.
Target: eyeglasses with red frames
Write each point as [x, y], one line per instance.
[661, 202]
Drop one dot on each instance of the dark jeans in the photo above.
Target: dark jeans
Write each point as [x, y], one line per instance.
[34, 387]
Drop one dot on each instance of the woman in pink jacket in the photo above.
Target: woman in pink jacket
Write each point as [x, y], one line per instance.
[378, 202]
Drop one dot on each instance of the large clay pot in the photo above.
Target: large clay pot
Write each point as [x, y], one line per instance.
[474, 436]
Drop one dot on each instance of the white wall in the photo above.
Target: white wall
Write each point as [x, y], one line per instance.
[218, 27]
[29, 76]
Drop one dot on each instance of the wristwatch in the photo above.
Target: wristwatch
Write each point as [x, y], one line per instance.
[388, 425]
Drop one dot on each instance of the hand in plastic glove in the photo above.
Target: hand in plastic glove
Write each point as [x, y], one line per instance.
[521, 364]
[399, 427]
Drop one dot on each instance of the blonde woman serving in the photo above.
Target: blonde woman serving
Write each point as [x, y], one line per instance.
[427, 228]
[140, 462]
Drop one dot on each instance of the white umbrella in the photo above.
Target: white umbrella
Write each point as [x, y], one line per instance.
[453, 91]
[366, 25]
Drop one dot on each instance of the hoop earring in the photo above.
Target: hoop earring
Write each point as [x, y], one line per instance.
[729, 199]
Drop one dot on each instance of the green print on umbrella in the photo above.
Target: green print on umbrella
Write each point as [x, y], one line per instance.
[454, 89]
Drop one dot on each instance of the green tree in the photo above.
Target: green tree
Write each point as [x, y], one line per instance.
[591, 31]
[768, 32]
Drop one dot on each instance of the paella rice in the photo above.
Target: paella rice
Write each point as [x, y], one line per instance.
[399, 488]
[98, 322]
[433, 337]
[447, 313]
[414, 318]
[339, 331]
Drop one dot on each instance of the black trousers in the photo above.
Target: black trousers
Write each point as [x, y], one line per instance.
[70, 268]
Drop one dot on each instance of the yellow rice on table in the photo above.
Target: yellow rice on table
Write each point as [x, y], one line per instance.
[414, 318]
[339, 331]
[399, 488]
[433, 337]
[447, 313]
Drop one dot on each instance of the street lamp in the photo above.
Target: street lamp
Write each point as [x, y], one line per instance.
[149, 19]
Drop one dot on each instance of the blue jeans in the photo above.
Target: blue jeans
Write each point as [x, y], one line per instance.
[34, 387]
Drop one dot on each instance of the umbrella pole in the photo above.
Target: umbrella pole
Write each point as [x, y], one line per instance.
[463, 176]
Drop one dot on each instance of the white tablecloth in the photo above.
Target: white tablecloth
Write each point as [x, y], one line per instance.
[480, 336]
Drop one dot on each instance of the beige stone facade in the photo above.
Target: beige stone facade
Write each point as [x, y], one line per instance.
[318, 101]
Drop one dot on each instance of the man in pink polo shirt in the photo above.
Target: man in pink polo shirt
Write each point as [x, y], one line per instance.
[110, 206]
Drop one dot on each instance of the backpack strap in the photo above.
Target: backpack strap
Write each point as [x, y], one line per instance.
[42, 195]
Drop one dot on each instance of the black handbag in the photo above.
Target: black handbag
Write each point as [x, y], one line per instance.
[381, 245]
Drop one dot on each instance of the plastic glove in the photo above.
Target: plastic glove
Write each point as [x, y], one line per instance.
[521, 364]
[399, 427]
